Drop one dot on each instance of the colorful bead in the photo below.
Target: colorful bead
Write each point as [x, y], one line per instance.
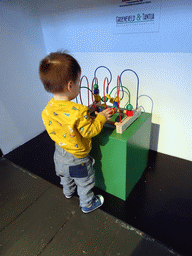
[100, 109]
[95, 86]
[104, 99]
[115, 104]
[129, 112]
[114, 110]
[96, 91]
[97, 97]
[129, 107]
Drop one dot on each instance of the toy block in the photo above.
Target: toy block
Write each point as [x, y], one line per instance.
[128, 112]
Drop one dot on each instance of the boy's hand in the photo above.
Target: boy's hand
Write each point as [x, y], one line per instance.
[107, 113]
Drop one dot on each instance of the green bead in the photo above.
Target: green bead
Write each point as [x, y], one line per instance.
[95, 86]
[104, 99]
[129, 107]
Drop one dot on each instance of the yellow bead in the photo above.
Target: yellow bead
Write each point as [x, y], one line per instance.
[117, 99]
[111, 100]
[103, 105]
[97, 97]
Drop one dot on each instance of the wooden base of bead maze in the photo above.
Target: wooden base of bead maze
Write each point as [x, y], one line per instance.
[127, 121]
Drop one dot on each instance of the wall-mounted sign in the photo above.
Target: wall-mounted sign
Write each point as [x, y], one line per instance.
[136, 16]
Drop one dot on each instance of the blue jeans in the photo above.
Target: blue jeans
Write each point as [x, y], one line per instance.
[75, 172]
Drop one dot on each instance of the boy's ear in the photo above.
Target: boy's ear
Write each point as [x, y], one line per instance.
[69, 86]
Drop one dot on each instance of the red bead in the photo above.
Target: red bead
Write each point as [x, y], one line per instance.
[129, 112]
[114, 110]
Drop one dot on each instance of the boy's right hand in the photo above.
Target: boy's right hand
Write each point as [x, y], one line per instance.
[107, 113]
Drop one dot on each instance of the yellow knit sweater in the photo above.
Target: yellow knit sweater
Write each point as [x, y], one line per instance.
[69, 124]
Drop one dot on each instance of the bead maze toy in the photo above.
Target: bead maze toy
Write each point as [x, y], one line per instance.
[122, 117]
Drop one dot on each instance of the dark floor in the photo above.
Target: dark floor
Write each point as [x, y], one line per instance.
[160, 206]
[36, 219]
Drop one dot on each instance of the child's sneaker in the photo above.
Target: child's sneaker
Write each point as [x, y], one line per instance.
[97, 202]
[68, 197]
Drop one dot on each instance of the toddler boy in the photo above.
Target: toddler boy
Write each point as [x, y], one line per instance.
[69, 124]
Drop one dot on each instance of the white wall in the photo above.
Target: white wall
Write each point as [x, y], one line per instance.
[161, 59]
[21, 93]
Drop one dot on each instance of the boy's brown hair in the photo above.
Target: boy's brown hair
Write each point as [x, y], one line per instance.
[57, 69]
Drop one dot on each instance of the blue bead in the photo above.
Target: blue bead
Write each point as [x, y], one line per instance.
[115, 104]
[100, 109]
[96, 91]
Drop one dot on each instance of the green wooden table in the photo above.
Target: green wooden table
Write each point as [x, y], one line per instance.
[120, 159]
